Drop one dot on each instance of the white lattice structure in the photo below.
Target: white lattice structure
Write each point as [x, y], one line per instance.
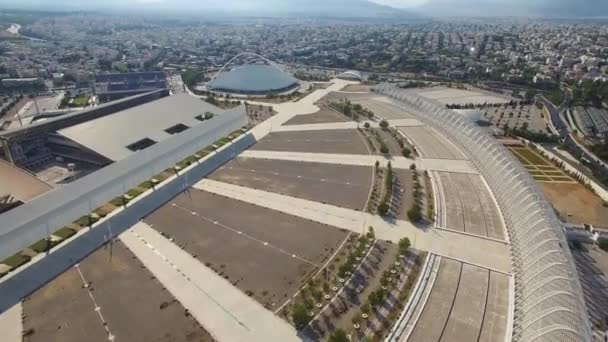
[548, 305]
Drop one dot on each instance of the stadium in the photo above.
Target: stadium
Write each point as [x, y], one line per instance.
[252, 80]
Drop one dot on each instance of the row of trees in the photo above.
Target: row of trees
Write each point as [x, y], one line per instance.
[10, 104]
[385, 205]
[415, 212]
[590, 92]
[511, 103]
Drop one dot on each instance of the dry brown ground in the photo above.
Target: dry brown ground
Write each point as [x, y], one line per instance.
[322, 116]
[265, 253]
[356, 88]
[134, 304]
[575, 203]
[342, 185]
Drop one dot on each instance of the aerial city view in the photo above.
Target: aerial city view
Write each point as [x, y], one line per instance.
[316, 170]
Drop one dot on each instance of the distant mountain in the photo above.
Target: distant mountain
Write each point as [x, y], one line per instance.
[265, 8]
[525, 8]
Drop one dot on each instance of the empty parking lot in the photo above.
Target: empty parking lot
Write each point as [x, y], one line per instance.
[469, 206]
[263, 252]
[384, 110]
[348, 141]
[109, 293]
[341, 185]
[431, 144]
[466, 303]
[324, 115]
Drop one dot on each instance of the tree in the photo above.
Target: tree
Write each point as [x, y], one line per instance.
[383, 208]
[384, 124]
[406, 152]
[338, 336]
[300, 317]
[414, 214]
[383, 148]
[404, 245]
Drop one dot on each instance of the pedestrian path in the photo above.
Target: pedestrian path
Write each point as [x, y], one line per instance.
[445, 165]
[11, 324]
[347, 125]
[471, 249]
[223, 310]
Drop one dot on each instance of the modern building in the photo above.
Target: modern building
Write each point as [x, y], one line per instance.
[123, 133]
[351, 75]
[110, 87]
[253, 80]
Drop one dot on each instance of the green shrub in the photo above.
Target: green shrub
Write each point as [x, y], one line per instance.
[406, 152]
[384, 124]
[383, 148]
[83, 221]
[383, 208]
[65, 233]
[43, 245]
[16, 260]
[414, 214]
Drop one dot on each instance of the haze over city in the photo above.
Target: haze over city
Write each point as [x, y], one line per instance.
[321, 170]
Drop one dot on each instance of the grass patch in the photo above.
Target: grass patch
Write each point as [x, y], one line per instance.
[16, 260]
[118, 202]
[536, 172]
[546, 168]
[531, 156]
[80, 101]
[43, 245]
[222, 141]
[65, 233]
[83, 221]
[135, 192]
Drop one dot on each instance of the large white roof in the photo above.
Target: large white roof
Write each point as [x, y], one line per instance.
[110, 135]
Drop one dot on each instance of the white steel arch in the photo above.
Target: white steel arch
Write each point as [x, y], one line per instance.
[548, 303]
[271, 63]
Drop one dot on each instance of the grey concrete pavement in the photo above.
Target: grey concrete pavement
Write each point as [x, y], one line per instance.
[11, 324]
[477, 251]
[446, 165]
[223, 310]
[347, 125]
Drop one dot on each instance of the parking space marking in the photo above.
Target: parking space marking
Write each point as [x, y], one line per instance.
[239, 232]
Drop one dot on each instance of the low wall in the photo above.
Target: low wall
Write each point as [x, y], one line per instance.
[41, 271]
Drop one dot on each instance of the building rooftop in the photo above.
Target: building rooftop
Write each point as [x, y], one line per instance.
[119, 135]
[253, 79]
[22, 185]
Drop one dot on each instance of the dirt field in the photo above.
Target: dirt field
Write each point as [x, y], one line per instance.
[357, 88]
[322, 116]
[459, 96]
[264, 253]
[575, 203]
[341, 185]
[347, 141]
[133, 304]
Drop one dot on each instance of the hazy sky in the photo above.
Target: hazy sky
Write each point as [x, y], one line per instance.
[550, 8]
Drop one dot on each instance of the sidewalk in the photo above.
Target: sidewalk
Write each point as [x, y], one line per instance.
[11, 324]
[223, 310]
[444, 165]
[347, 125]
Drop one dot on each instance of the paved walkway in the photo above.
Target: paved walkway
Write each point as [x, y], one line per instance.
[224, 311]
[478, 251]
[347, 125]
[286, 111]
[445, 165]
[11, 325]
